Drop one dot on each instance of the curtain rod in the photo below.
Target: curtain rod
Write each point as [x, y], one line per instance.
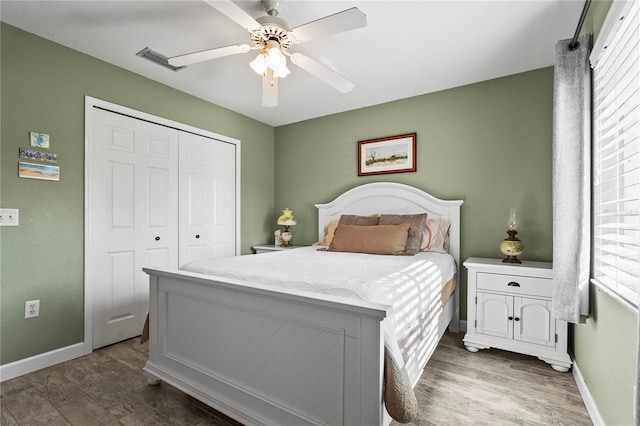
[574, 41]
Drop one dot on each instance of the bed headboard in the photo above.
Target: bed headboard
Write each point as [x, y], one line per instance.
[393, 198]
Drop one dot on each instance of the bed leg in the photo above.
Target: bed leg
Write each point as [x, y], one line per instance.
[151, 379]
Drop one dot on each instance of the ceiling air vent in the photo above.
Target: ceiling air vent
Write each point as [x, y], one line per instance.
[157, 58]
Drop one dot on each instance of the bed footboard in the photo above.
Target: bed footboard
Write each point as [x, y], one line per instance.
[266, 357]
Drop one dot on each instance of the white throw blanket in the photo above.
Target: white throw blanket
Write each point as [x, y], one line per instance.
[410, 284]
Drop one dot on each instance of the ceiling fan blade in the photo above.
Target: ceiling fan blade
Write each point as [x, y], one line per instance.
[206, 55]
[235, 13]
[330, 77]
[346, 20]
[269, 89]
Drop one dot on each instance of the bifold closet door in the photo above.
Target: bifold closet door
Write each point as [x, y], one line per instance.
[133, 219]
[207, 198]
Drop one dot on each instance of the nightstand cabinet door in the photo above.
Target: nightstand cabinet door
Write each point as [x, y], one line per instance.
[493, 312]
[533, 322]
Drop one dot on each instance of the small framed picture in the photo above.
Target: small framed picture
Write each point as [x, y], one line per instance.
[39, 140]
[394, 154]
[38, 171]
[37, 155]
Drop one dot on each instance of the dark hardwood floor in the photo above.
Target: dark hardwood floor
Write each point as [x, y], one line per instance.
[491, 387]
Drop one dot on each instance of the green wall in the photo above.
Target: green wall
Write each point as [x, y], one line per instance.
[605, 348]
[605, 352]
[497, 134]
[43, 86]
[488, 144]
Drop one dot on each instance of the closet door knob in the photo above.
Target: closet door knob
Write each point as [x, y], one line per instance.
[510, 318]
[157, 238]
[197, 235]
[517, 319]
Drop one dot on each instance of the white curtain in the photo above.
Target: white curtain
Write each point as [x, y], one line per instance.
[572, 180]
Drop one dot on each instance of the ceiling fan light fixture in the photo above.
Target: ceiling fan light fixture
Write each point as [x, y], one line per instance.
[275, 59]
[281, 72]
[259, 64]
[271, 58]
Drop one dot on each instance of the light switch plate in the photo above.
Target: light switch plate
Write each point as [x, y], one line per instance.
[9, 217]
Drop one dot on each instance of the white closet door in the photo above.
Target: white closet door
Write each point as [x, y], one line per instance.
[134, 219]
[207, 198]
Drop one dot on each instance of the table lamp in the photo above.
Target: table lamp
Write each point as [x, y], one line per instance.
[287, 221]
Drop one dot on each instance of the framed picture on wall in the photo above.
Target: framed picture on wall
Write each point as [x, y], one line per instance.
[37, 155]
[38, 171]
[393, 154]
[39, 140]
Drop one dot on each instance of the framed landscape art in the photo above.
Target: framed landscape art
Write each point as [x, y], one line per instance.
[38, 171]
[393, 154]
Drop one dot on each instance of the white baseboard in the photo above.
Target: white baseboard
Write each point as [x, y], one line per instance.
[592, 409]
[38, 362]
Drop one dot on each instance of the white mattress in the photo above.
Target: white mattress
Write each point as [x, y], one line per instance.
[410, 284]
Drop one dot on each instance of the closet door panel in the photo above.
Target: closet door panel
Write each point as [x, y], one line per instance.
[133, 219]
[121, 303]
[121, 193]
[198, 207]
[207, 204]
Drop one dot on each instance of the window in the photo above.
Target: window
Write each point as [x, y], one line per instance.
[616, 156]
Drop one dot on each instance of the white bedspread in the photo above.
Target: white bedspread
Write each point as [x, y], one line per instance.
[410, 284]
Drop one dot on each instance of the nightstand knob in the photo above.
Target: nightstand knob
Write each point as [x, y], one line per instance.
[157, 238]
[513, 284]
[197, 235]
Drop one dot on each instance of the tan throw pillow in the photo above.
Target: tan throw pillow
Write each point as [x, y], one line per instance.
[353, 219]
[417, 224]
[329, 232]
[439, 232]
[381, 239]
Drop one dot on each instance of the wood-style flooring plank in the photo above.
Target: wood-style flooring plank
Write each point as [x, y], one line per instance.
[107, 387]
[6, 419]
[494, 387]
[27, 405]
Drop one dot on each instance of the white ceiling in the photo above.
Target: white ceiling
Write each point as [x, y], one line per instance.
[408, 47]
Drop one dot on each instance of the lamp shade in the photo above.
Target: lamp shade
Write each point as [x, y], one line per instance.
[513, 218]
[287, 219]
[282, 72]
[259, 64]
[275, 59]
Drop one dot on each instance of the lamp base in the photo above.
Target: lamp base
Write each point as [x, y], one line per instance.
[511, 247]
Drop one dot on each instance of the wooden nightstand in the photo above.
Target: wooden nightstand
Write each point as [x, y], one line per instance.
[271, 247]
[509, 307]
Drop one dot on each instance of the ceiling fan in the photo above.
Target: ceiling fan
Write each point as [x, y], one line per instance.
[273, 37]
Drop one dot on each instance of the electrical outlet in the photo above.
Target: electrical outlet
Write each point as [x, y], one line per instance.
[9, 217]
[32, 308]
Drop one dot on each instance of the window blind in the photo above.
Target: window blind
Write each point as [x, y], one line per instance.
[616, 144]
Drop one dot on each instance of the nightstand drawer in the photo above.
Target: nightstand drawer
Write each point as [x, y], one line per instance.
[514, 284]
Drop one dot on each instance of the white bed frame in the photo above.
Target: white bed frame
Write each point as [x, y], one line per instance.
[269, 356]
